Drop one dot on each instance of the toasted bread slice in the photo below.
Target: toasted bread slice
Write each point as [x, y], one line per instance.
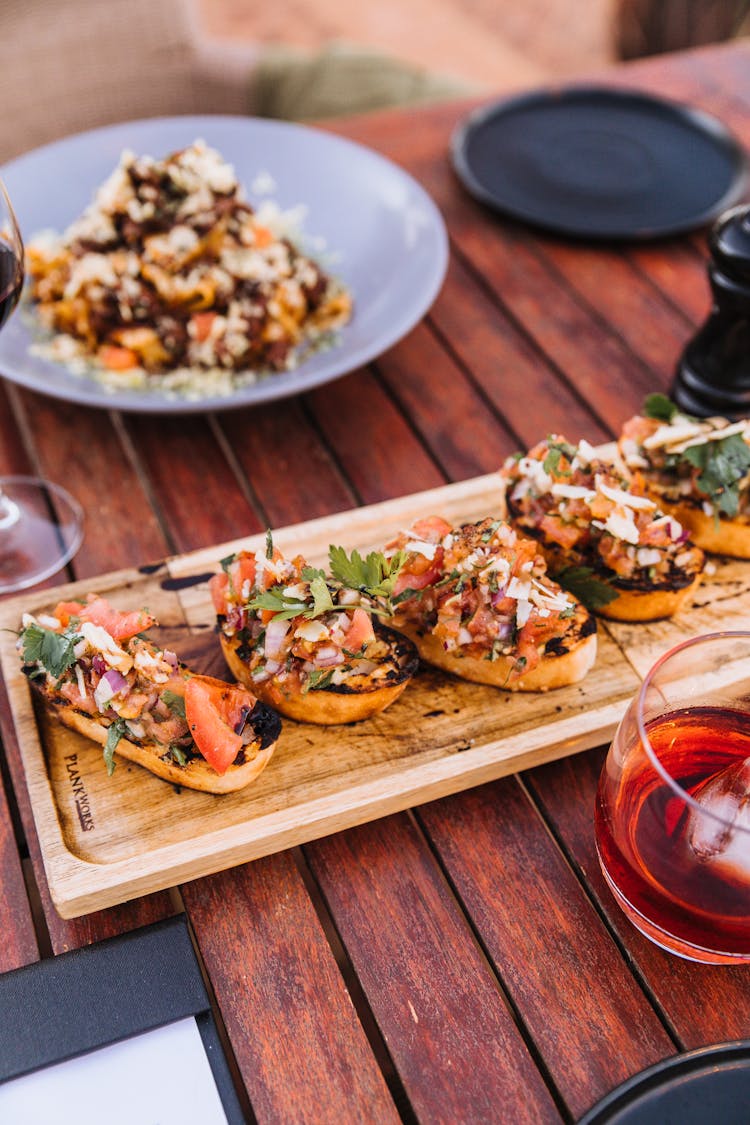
[306, 644]
[477, 602]
[359, 697]
[673, 457]
[586, 515]
[98, 674]
[566, 662]
[196, 773]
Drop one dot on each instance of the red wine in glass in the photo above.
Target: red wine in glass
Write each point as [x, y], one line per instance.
[41, 525]
[11, 280]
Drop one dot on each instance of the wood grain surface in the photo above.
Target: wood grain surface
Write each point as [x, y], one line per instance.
[484, 909]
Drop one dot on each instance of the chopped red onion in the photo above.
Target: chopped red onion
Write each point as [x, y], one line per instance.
[327, 657]
[115, 680]
[276, 632]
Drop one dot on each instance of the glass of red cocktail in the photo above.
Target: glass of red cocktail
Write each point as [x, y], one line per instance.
[673, 806]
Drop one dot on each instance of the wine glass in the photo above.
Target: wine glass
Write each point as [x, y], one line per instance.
[673, 806]
[41, 525]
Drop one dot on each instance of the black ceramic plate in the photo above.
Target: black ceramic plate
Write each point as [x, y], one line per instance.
[600, 163]
[711, 1084]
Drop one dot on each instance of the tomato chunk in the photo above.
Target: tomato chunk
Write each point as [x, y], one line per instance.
[218, 586]
[360, 631]
[116, 358]
[242, 570]
[213, 710]
[120, 626]
[63, 611]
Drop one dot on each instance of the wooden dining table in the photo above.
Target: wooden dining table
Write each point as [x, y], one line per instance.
[462, 960]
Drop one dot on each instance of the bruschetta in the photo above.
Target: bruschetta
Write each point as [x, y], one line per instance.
[477, 602]
[602, 535]
[306, 645]
[100, 676]
[696, 469]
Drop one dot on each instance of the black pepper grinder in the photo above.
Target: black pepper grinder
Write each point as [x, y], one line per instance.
[713, 375]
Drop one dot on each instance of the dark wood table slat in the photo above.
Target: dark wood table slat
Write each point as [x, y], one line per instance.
[372, 441]
[198, 507]
[81, 449]
[454, 418]
[292, 474]
[520, 985]
[19, 945]
[520, 381]
[296, 1038]
[453, 1041]
[551, 950]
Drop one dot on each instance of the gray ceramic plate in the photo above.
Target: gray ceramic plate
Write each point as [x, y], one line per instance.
[385, 236]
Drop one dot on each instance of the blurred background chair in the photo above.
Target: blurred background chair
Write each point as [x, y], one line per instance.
[65, 67]
[72, 66]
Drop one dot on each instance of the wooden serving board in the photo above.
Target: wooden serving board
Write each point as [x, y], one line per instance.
[105, 840]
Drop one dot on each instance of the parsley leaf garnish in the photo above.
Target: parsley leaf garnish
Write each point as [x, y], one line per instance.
[275, 600]
[317, 680]
[557, 449]
[723, 465]
[660, 407]
[175, 702]
[54, 651]
[373, 575]
[585, 586]
[117, 730]
[322, 601]
[178, 754]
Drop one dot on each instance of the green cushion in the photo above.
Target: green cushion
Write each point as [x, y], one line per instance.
[343, 79]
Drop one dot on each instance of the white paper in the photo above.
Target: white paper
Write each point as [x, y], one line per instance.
[161, 1077]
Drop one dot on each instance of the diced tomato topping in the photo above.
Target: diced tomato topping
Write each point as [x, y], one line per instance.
[202, 323]
[120, 626]
[117, 359]
[360, 631]
[71, 692]
[241, 571]
[567, 535]
[268, 579]
[263, 237]
[63, 611]
[218, 586]
[409, 580]
[432, 529]
[213, 710]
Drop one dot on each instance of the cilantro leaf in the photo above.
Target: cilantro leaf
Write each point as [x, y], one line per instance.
[280, 606]
[321, 597]
[723, 465]
[117, 730]
[226, 562]
[585, 586]
[178, 754]
[374, 575]
[317, 680]
[660, 407]
[54, 651]
[557, 449]
[175, 703]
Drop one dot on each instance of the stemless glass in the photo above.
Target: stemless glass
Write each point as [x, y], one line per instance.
[41, 525]
[673, 806]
